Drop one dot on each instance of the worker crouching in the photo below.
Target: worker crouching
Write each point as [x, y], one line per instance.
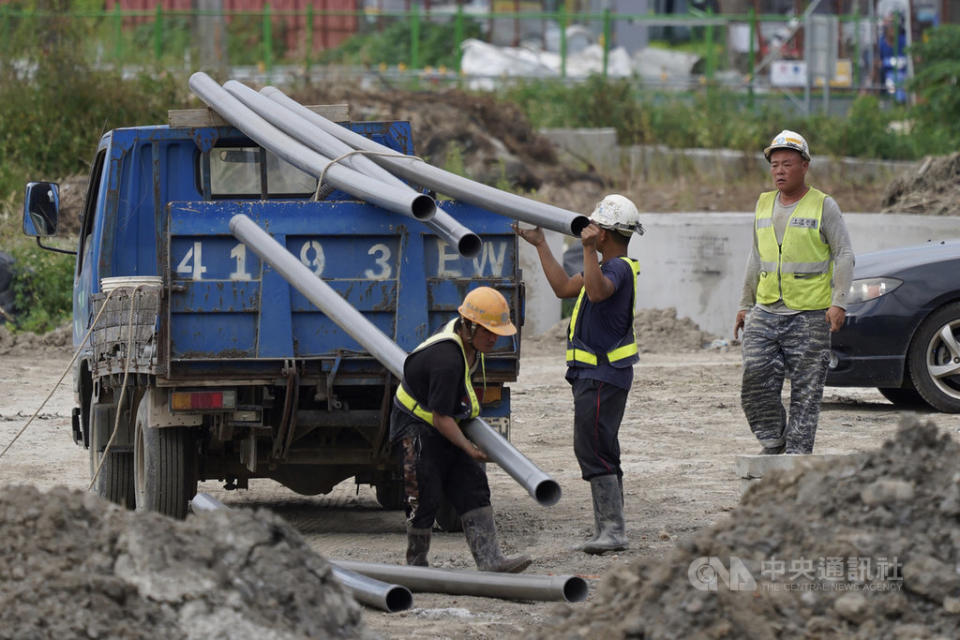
[438, 460]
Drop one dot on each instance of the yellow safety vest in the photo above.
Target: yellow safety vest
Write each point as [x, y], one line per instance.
[408, 402]
[798, 270]
[623, 354]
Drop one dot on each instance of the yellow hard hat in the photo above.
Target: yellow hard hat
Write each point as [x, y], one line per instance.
[488, 308]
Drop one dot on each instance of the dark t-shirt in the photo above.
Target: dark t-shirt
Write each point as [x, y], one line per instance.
[602, 325]
[434, 376]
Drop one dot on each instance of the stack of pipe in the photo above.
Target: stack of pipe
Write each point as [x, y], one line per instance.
[368, 170]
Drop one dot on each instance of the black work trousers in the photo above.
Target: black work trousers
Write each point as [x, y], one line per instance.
[597, 411]
[434, 468]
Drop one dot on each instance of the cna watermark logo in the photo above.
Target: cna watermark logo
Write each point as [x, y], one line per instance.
[829, 573]
[707, 573]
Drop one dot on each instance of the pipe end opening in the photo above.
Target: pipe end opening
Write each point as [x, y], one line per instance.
[400, 599]
[470, 245]
[579, 224]
[548, 493]
[575, 589]
[423, 207]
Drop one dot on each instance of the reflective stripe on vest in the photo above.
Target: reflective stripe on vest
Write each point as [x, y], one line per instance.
[410, 403]
[797, 270]
[580, 355]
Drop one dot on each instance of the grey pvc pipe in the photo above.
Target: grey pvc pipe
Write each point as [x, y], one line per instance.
[299, 128]
[541, 487]
[404, 201]
[419, 172]
[369, 591]
[511, 586]
[386, 596]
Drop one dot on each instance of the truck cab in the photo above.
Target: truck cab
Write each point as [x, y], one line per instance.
[197, 361]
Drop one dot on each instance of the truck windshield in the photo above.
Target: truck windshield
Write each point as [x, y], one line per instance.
[239, 172]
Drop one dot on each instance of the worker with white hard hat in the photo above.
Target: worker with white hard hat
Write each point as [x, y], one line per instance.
[438, 460]
[601, 351]
[794, 295]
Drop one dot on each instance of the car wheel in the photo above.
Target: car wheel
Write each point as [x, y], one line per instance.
[934, 359]
[906, 398]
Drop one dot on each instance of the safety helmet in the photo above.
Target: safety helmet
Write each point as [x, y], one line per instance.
[618, 213]
[787, 139]
[488, 308]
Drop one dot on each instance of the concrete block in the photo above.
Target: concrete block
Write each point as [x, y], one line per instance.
[752, 468]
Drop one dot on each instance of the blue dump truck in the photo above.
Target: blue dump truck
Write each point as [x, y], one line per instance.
[197, 361]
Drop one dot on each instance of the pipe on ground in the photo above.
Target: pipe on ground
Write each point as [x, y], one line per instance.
[419, 172]
[540, 486]
[403, 201]
[302, 130]
[511, 586]
[365, 589]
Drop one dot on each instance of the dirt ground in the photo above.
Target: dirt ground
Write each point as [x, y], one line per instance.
[681, 432]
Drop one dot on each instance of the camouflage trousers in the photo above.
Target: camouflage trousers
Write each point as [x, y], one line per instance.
[778, 346]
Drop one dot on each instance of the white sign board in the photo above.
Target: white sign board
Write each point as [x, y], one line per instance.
[788, 73]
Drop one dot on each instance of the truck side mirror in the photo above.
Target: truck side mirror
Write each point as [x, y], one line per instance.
[41, 209]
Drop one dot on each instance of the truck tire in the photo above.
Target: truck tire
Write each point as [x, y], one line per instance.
[165, 465]
[934, 359]
[115, 482]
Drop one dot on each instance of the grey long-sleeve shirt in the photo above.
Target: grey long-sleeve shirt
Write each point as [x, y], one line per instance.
[833, 231]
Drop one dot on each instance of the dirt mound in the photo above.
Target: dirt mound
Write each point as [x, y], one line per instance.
[863, 549]
[495, 141]
[934, 189]
[658, 331]
[75, 566]
[58, 340]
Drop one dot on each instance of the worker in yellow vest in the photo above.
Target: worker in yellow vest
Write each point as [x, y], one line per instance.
[601, 351]
[797, 279]
[438, 460]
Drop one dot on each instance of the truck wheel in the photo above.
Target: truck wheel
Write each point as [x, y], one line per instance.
[390, 495]
[447, 518]
[904, 398]
[934, 359]
[115, 482]
[165, 465]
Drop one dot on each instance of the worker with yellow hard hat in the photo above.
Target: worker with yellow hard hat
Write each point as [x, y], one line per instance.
[794, 295]
[438, 460]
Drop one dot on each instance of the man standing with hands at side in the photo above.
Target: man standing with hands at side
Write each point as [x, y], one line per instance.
[601, 351]
[797, 279]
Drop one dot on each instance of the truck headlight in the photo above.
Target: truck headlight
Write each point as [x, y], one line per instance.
[869, 288]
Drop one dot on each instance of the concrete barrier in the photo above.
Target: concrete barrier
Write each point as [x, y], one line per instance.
[695, 261]
[753, 468]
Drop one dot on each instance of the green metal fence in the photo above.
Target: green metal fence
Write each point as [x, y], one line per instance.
[262, 38]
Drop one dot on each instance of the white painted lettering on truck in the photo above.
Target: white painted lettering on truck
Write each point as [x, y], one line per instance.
[447, 254]
[239, 253]
[496, 261]
[317, 262]
[382, 261]
[192, 263]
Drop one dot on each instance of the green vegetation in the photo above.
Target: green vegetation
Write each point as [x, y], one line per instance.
[936, 80]
[714, 119]
[392, 45]
[41, 287]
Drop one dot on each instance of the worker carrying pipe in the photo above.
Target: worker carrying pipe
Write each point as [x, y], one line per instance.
[437, 458]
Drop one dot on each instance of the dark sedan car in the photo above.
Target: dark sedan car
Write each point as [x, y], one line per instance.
[902, 333]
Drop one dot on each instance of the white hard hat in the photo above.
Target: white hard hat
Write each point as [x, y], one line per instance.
[619, 213]
[787, 139]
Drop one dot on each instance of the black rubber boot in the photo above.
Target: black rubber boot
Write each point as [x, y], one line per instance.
[418, 544]
[608, 510]
[481, 535]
